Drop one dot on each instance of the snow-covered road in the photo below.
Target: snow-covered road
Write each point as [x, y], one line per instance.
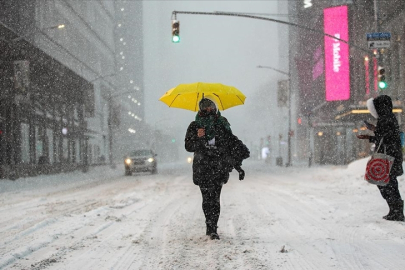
[277, 218]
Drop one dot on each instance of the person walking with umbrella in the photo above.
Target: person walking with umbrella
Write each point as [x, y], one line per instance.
[216, 152]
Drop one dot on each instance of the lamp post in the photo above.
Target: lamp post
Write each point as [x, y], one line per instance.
[289, 110]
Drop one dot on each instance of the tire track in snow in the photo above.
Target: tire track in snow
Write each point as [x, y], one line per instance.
[156, 235]
[124, 256]
[284, 226]
[62, 205]
[60, 214]
[109, 254]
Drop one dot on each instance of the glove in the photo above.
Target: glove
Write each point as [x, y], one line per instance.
[241, 175]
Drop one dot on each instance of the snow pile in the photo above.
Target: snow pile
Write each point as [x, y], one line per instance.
[53, 181]
[357, 167]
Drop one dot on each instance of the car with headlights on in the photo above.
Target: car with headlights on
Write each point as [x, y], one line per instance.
[190, 159]
[143, 160]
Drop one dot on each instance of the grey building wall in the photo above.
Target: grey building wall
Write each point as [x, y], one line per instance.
[86, 45]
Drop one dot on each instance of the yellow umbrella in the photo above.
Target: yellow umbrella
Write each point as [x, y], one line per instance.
[187, 96]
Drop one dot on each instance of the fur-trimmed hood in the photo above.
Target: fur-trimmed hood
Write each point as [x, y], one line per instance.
[380, 106]
[371, 108]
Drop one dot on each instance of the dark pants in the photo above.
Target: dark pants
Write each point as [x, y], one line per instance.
[390, 192]
[211, 205]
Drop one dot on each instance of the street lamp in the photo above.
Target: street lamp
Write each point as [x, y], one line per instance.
[289, 110]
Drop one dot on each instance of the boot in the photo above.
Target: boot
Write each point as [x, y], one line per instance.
[212, 231]
[209, 230]
[391, 212]
[396, 211]
[214, 235]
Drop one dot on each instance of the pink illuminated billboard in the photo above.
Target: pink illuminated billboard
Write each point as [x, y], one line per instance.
[337, 73]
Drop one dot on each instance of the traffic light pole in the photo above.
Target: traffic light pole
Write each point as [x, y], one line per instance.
[220, 13]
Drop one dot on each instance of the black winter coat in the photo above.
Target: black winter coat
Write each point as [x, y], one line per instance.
[214, 162]
[387, 129]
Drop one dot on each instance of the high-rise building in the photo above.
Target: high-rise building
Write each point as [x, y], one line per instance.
[58, 67]
[129, 62]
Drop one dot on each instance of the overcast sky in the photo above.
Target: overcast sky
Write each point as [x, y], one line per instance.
[213, 49]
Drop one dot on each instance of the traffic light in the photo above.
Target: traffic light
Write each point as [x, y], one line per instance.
[382, 83]
[175, 31]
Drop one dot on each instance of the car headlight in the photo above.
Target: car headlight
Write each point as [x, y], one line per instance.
[151, 159]
[128, 161]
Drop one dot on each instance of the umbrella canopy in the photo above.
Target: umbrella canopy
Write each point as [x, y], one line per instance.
[187, 96]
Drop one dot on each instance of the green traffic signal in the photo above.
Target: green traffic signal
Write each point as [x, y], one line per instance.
[382, 85]
[176, 39]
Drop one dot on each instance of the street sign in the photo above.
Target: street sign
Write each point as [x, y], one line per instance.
[341, 2]
[378, 40]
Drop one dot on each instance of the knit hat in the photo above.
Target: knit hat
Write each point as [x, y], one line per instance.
[206, 103]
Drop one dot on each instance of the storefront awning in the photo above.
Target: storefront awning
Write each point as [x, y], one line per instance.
[354, 113]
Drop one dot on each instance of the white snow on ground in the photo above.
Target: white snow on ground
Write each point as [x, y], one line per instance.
[277, 218]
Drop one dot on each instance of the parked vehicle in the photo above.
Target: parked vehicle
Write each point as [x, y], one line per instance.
[142, 160]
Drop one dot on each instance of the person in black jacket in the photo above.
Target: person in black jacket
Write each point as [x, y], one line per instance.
[387, 133]
[216, 152]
